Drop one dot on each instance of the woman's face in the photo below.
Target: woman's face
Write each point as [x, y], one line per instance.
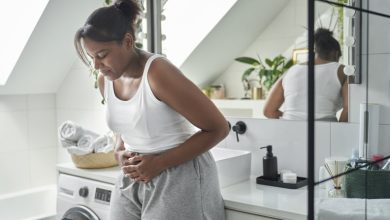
[110, 58]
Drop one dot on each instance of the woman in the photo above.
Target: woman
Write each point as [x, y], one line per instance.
[168, 172]
[331, 89]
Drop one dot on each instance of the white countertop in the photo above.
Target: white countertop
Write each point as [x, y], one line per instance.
[265, 200]
[245, 196]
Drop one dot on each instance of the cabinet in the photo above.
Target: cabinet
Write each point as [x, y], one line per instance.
[235, 215]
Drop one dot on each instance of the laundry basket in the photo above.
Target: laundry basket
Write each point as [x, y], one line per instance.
[95, 160]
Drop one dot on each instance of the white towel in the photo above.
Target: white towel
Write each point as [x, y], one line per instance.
[353, 209]
[103, 144]
[76, 139]
[83, 146]
[69, 132]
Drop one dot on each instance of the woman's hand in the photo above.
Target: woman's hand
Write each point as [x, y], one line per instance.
[143, 167]
[123, 156]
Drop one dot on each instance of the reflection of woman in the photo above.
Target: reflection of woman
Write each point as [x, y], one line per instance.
[331, 89]
[168, 172]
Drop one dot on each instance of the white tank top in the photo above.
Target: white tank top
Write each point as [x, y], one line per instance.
[146, 124]
[328, 98]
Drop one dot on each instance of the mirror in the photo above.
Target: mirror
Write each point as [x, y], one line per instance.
[365, 156]
[205, 47]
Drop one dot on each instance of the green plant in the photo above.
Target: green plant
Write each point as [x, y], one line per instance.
[269, 72]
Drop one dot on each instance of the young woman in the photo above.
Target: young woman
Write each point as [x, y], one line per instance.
[168, 172]
[331, 93]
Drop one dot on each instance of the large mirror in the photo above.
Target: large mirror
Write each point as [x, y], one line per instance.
[357, 171]
[237, 66]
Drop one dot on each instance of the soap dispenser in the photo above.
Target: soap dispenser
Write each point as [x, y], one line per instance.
[270, 165]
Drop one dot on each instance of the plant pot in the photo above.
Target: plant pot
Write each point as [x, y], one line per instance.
[257, 93]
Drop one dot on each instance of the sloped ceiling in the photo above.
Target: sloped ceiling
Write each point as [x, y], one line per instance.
[49, 53]
[232, 35]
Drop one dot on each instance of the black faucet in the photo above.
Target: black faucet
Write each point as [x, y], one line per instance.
[239, 128]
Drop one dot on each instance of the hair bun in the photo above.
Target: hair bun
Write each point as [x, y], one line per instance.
[323, 32]
[123, 7]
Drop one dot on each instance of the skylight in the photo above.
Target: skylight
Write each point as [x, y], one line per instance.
[188, 23]
[17, 21]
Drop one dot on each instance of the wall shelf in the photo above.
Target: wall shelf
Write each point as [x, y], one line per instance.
[240, 107]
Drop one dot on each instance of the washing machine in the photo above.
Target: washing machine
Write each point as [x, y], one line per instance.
[80, 198]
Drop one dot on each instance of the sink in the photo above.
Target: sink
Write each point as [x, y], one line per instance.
[233, 165]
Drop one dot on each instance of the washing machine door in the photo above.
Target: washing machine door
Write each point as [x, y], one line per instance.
[80, 213]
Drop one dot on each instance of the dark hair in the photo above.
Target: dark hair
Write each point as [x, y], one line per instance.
[325, 44]
[109, 23]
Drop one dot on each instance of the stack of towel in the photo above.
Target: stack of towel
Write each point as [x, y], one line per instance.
[80, 141]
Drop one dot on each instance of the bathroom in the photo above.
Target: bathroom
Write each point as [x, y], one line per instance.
[49, 85]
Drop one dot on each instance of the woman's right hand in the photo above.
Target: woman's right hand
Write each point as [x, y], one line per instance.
[123, 156]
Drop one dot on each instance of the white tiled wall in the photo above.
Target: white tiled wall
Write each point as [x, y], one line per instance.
[378, 87]
[289, 141]
[344, 137]
[378, 43]
[28, 141]
[378, 63]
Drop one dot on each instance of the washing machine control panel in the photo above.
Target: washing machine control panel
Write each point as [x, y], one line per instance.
[103, 195]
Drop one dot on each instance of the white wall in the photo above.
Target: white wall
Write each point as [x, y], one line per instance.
[379, 65]
[79, 101]
[28, 141]
[278, 37]
[289, 141]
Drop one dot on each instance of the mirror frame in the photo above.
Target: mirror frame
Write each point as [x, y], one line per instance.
[356, 51]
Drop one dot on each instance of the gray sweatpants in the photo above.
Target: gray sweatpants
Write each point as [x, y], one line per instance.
[189, 191]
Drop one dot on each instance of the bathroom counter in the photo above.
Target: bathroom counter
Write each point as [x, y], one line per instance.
[246, 196]
[275, 202]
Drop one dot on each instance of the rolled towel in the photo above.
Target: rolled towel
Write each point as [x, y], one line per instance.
[103, 144]
[83, 146]
[76, 139]
[70, 132]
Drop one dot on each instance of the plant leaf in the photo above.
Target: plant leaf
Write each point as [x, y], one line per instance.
[269, 62]
[247, 73]
[288, 64]
[248, 60]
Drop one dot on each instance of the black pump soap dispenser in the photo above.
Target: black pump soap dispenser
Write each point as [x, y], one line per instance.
[270, 165]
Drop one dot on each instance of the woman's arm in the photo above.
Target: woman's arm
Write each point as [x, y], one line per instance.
[344, 93]
[274, 101]
[170, 86]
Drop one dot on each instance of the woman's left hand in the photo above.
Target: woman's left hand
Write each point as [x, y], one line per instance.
[142, 167]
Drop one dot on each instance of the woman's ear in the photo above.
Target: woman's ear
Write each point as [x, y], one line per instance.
[128, 41]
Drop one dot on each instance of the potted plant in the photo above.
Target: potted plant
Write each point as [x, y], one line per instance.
[269, 72]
